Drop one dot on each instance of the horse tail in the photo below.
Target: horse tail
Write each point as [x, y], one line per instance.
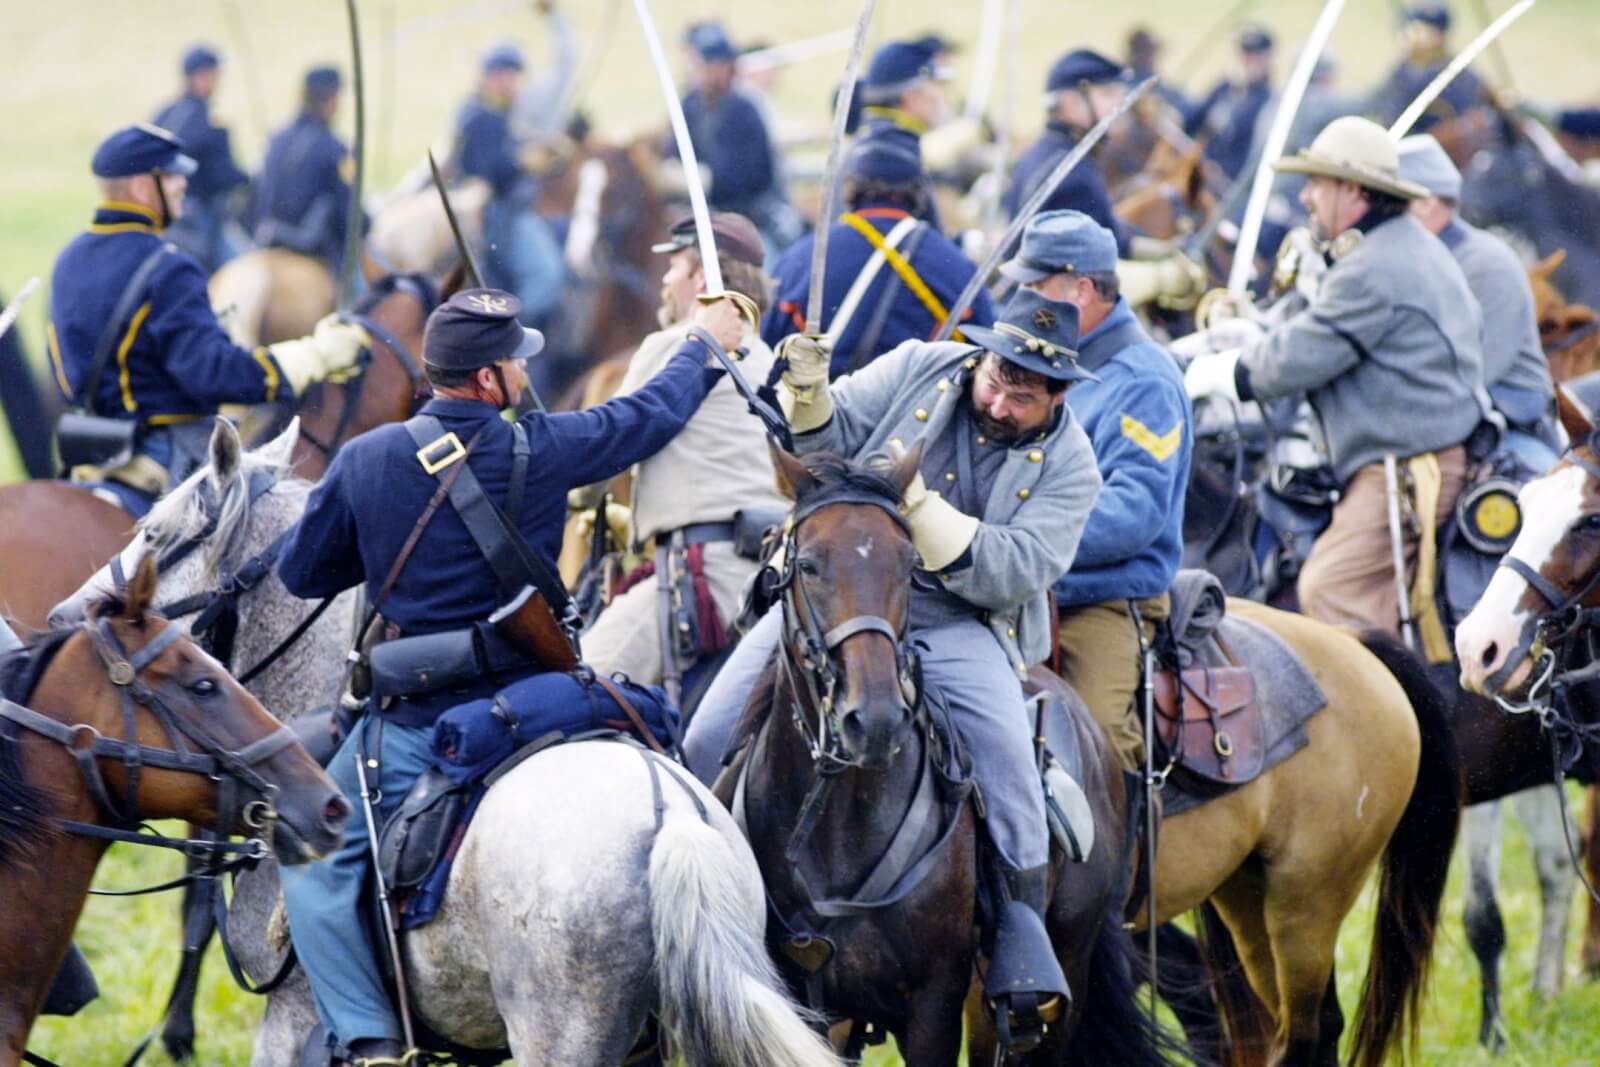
[1114, 1029]
[721, 997]
[1247, 1030]
[1415, 864]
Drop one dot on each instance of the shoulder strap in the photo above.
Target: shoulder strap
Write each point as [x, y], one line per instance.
[869, 270]
[872, 332]
[415, 535]
[908, 274]
[519, 474]
[113, 327]
[514, 564]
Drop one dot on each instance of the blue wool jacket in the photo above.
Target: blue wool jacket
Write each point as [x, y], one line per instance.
[210, 146]
[302, 197]
[935, 259]
[488, 150]
[172, 359]
[1138, 419]
[1083, 189]
[730, 138]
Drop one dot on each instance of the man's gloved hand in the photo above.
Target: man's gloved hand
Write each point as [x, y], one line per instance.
[1175, 281]
[1212, 375]
[723, 320]
[940, 531]
[332, 347]
[619, 523]
[1234, 333]
[804, 397]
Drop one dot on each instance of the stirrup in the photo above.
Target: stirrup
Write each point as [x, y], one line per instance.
[1020, 1024]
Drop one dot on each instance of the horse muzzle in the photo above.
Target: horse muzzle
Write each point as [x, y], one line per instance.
[309, 829]
[872, 737]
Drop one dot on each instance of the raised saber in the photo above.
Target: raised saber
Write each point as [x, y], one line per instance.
[1031, 207]
[1414, 111]
[1255, 212]
[9, 316]
[830, 172]
[352, 236]
[761, 407]
[1391, 487]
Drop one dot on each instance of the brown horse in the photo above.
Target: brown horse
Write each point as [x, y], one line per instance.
[1570, 333]
[53, 535]
[116, 721]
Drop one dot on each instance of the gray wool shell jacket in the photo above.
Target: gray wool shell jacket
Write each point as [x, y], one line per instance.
[1389, 353]
[1036, 510]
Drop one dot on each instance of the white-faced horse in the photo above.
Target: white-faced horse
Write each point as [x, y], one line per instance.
[589, 892]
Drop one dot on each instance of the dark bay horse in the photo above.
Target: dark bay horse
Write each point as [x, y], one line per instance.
[116, 721]
[842, 746]
[53, 535]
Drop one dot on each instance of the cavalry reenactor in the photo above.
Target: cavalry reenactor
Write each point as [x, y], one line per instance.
[1426, 29]
[134, 342]
[904, 86]
[1515, 370]
[1388, 353]
[302, 196]
[379, 517]
[891, 275]
[1006, 482]
[1082, 86]
[200, 231]
[523, 253]
[731, 139]
[1227, 116]
[690, 498]
[1137, 417]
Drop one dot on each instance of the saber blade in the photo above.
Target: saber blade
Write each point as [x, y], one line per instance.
[352, 240]
[8, 317]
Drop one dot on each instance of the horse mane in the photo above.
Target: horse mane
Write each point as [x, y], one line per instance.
[834, 472]
[25, 809]
[185, 513]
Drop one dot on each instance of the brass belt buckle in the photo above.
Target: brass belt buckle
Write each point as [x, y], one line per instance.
[439, 453]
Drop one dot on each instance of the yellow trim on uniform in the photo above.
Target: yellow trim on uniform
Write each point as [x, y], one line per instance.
[122, 357]
[130, 207]
[172, 420]
[270, 369]
[899, 116]
[902, 267]
[126, 227]
[55, 361]
[1161, 446]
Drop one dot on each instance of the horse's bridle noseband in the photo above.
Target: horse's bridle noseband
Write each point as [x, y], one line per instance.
[233, 770]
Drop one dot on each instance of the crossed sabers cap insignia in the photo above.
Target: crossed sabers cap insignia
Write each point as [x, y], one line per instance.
[1045, 319]
[490, 304]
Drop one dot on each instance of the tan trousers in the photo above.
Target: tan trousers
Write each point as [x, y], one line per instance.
[1348, 579]
[626, 637]
[1100, 659]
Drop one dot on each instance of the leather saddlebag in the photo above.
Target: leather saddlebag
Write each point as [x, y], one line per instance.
[1210, 727]
[93, 441]
[416, 836]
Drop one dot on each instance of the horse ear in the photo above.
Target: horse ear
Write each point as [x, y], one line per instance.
[1575, 419]
[225, 452]
[793, 480]
[1549, 264]
[280, 450]
[141, 592]
[906, 467]
[454, 278]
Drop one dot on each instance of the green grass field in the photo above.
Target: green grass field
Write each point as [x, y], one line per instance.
[75, 69]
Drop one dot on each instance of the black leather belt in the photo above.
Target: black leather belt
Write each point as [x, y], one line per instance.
[701, 533]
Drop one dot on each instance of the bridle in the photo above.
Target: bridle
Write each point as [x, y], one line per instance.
[424, 291]
[243, 795]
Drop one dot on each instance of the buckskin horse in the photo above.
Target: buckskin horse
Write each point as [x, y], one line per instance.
[1283, 859]
[54, 534]
[630, 892]
[115, 721]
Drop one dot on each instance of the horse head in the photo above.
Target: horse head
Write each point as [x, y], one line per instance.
[846, 595]
[1552, 569]
[176, 736]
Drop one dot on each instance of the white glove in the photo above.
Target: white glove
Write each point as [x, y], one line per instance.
[619, 523]
[1212, 375]
[1190, 345]
[333, 346]
[805, 398]
[940, 531]
[1234, 333]
[1173, 280]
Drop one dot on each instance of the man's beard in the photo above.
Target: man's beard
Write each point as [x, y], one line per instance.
[1004, 431]
[668, 314]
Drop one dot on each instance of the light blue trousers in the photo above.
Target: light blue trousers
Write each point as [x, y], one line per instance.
[964, 662]
[325, 899]
[524, 258]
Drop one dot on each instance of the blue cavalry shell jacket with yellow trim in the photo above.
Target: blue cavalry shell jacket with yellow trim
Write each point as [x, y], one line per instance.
[1137, 416]
[302, 198]
[1083, 189]
[360, 514]
[172, 359]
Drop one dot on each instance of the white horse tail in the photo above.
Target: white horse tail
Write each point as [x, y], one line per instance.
[721, 997]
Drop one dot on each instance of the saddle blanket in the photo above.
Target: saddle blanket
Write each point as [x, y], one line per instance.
[1286, 692]
[471, 740]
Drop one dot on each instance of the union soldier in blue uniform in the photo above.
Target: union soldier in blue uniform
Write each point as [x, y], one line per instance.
[902, 95]
[200, 231]
[871, 300]
[731, 139]
[355, 525]
[1137, 417]
[133, 338]
[524, 256]
[1228, 115]
[1426, 28]
[302, 198]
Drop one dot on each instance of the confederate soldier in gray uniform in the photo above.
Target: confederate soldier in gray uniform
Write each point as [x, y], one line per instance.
[1388, 354]
[1008, 479]
[1515, 369]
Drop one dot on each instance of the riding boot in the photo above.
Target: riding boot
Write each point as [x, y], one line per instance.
[1024, 986]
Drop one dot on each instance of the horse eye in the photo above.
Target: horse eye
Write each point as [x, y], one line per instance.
[807, 567]
[1591, 523]
[203, 687]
